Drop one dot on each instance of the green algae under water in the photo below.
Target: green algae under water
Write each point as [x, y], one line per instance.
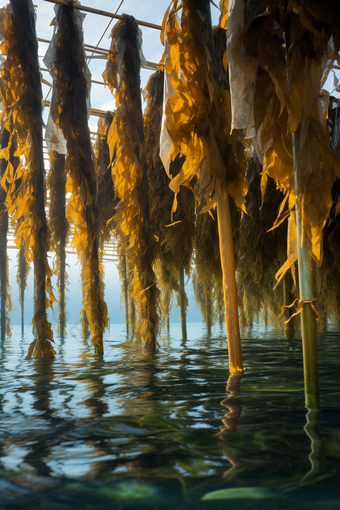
[162, 431]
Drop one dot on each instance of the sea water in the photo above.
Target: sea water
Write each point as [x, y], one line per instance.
[168, 430]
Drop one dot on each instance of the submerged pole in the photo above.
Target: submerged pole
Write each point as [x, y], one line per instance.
[229, 282]
[308, 319]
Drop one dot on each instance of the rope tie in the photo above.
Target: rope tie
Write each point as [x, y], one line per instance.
[299, 304]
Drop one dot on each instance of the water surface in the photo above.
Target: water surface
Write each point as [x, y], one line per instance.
[163, 430]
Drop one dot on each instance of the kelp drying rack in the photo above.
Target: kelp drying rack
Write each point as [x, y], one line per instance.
[223, 211]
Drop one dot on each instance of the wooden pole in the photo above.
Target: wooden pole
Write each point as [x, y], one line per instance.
[74, 5]
[308, 319]
[229, 282]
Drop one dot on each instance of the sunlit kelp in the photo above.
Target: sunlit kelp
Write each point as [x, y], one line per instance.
[125, 137]
[56, 183]
[196, 124]
[173, 250]
[21, 96]
[69, 111]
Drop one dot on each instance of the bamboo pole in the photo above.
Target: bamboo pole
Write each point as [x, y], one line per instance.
[73, 5]
[229, 282]
[308, 319]
[182, 304]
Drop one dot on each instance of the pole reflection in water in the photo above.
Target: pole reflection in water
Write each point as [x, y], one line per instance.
[316, 455]
[230, 422]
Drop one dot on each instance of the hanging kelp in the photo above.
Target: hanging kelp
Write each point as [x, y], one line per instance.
[256, 267]
[196, 123]
[174, 239]
[5, 296]
[329, 298]
[21, 279]
[21, 95]
[69, 111]
[207, 273]
[270, 109]
[129, 172]
[106, 196]
[56, 184]
[277, 55]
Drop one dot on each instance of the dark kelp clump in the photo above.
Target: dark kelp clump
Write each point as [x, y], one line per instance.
[125, 139]
[69, 111]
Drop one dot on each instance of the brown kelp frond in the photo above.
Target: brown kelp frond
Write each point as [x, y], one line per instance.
[207, 271]
[21, 277]
[260, 69]
[125, 139]
[58, 225]
[174, 238]
[21, 95]
[106, 197]
[261, 253]
[69, 111]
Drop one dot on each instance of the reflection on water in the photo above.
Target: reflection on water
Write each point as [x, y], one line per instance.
[161, 430]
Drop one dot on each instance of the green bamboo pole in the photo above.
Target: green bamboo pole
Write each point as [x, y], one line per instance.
[229, 282]
[182, 304]
[308, 319]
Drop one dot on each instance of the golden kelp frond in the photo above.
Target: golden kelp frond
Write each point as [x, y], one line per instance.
[58, 225]
[106, 197]
[224, 7]
[125, 138]
[21, 96]
[196, 114]
[174, 239]
[69, 111]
